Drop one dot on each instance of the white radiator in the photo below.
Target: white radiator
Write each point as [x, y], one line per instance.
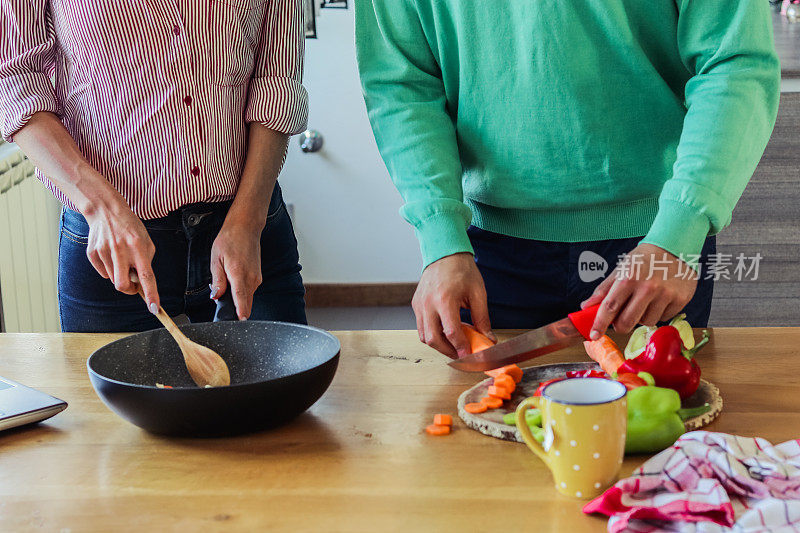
[29, 217]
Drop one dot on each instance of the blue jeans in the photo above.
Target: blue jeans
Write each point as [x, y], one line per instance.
[183, 240]
[531, 283]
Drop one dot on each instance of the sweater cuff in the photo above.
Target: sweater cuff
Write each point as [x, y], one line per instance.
[441, 235]
[679, 229]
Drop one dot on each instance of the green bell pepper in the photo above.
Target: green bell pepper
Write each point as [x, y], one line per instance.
[655, 419]
[532, 416]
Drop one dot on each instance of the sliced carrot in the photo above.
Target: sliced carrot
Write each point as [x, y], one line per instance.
[499, 392]
[477, 340]
[475, 408]
[505, 381]
[606, 353]
[491, 402]
[437, 430]
[512, 370]
[515, 372]
[443, 420]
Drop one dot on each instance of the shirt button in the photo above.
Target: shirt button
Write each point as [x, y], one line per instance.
[187, 100]
[176, 30]
[196, 171]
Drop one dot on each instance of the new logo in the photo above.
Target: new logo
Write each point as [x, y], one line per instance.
[591, 266]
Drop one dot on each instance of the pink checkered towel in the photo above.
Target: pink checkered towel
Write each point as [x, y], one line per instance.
[709, 482]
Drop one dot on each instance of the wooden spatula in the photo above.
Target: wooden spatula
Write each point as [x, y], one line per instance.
[205, 365]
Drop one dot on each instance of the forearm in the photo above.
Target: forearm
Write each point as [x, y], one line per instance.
[407, 107]
[49, 146]
[732, 102]
[266, 153]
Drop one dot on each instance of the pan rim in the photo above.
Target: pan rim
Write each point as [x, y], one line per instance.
[328, 334]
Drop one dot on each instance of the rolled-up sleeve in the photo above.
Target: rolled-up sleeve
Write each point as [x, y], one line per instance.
[277, 98]
[27, 57]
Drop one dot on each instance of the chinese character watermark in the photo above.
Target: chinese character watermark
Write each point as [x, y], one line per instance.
[717, 266]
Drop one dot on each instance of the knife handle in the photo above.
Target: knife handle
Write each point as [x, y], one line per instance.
[583, 320]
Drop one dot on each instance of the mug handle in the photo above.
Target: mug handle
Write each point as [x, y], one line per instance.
[525, 431]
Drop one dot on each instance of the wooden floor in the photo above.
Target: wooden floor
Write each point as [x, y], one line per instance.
[767, 221]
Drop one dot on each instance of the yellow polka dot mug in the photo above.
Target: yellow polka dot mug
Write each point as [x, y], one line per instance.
[584, 422]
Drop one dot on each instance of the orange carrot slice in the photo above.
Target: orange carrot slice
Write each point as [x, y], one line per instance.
[512, 370]
[477, 340]
[443, 420]
[499, 392]
[505, 381]
[475, 408]
[491, 402]
[437, 430]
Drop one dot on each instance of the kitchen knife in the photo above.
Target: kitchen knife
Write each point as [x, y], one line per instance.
[546, 339]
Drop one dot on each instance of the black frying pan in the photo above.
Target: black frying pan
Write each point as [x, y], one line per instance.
[278, 370]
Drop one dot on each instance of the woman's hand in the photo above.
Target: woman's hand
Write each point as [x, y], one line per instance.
[446, 286]
[236, 253]
[236, 261]
[118, 244]
[118, 241]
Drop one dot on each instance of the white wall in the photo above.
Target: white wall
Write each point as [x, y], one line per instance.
[345, 205]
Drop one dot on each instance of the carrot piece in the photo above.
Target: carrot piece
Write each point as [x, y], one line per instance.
[512, 370]
[437, 430]
[631, 381]
[515, 372]
[477, 340]
[443, 420]
[505, 381]
[606, 353]
[475, 408]
[499, 392]
[491, 402]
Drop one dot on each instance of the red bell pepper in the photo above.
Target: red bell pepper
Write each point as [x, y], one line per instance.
[544, 384]
[668, 361]
[571, 374]
[586, 374]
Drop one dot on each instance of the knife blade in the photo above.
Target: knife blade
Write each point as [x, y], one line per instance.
[535, 343]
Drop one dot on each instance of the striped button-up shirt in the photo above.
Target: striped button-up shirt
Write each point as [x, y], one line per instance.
[156, 93]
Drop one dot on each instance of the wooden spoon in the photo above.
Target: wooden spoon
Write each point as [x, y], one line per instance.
[205, 365]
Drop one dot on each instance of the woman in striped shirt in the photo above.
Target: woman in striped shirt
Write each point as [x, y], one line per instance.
[162, 126]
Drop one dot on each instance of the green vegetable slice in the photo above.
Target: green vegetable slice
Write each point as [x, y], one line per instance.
[532, 416]
[638, 341]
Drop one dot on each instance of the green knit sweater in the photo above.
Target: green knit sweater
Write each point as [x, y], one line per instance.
[568, 120]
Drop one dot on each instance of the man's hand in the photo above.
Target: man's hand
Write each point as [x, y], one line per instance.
[236, 261]
[650, 286]
[118, 244]
[446, 286]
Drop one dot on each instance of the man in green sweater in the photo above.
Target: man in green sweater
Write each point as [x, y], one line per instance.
[559, 129]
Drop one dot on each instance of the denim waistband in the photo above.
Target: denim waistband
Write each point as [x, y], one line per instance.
[188, 217]
[191, 215]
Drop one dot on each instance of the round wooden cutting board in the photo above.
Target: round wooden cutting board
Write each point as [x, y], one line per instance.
[491, 422]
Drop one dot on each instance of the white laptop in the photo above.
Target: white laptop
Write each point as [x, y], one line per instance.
[21, 405]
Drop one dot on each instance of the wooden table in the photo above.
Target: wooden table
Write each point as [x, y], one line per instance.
[357, 461]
